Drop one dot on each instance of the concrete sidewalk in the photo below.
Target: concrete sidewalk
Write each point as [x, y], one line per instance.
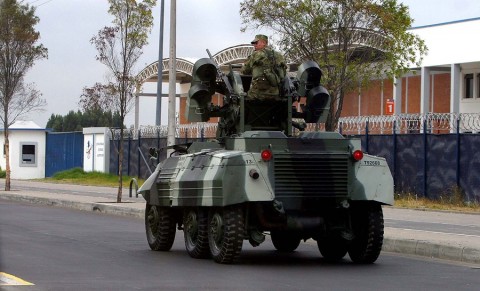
[463, 247]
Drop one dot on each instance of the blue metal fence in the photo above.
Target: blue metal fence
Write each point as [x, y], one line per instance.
[136, 159]
[64, 150]
[430, 165]
[429, 156]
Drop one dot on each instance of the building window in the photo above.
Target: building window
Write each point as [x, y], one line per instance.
[28, 154]
[469, 86]
[478, 85]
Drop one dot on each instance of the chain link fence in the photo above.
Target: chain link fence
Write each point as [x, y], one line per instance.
[436, 123]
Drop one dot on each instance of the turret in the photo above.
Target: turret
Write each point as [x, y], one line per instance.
[239, 114]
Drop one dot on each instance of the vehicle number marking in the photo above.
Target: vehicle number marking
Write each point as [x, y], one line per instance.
[371, 163]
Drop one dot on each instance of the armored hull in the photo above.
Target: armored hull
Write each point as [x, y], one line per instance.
[303, 187]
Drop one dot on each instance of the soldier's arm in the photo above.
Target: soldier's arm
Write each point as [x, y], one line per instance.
[247, 67]
[282, 64]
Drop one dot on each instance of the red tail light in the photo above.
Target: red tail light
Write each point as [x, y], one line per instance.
[266, 155]
[357, 155]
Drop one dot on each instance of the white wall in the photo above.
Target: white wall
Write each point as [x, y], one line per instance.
[21, 170]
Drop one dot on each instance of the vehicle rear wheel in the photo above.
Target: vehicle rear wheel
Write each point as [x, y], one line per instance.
[367, 225]
[160, 227]
[195, 231]
[332, 250]
[285, 241]
[226, 229]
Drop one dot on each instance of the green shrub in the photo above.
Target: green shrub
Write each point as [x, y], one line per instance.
[75, 173]
[78, 175]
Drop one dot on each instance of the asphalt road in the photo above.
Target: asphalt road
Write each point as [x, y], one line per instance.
[65, 249]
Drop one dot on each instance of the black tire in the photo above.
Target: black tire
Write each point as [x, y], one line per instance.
[332, 250]
[226, 229]
[285, 241]
[367, 225]
[160, 227]
[195, 232]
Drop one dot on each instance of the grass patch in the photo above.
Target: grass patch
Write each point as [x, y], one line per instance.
[80, 177]
[453, 200]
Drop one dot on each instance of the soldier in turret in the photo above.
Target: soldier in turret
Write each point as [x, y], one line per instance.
[268, 69]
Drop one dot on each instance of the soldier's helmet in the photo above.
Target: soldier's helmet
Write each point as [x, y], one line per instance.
[258, 37]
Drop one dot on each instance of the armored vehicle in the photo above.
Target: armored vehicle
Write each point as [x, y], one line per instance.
[264, 175]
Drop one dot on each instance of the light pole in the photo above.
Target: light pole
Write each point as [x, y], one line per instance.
[172, 82]
[158, 113]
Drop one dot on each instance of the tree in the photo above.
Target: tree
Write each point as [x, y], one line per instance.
[18, 52]
[55, 122]
[119, 48]
[76, 121]
[353, 41]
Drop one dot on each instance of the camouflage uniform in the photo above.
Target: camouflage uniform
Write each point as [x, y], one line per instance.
[268, 69]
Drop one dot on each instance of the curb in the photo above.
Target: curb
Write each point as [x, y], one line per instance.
[395, 245]
[102, 207]
[430, 249]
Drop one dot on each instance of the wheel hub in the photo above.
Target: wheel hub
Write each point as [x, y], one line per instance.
[216, 228]
[153, 219]
[191, 225]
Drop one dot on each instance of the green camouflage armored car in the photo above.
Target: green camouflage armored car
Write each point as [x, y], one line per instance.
[264, 176]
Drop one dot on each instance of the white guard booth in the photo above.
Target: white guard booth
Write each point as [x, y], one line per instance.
[27, 150]
[96, 145]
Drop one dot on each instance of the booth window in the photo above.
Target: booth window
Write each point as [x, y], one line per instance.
[28, 154]
[469, 86]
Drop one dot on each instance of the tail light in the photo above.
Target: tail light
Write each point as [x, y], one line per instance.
[357, 155]
[266, 155]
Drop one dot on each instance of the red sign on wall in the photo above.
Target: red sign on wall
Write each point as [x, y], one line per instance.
[389, 107]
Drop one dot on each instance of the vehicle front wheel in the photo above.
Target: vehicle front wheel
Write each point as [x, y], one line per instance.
[195, 230]
[160, 227]
[226, 229]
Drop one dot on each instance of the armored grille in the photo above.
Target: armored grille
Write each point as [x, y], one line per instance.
[165, 176]
[313, 175]
[169, 169]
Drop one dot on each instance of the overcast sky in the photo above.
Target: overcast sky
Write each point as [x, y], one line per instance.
[66, 27]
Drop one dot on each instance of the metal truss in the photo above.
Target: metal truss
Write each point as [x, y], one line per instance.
[231, 55]
[151, 71]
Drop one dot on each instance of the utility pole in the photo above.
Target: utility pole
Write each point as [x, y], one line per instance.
[172, 82]
[158, 113]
